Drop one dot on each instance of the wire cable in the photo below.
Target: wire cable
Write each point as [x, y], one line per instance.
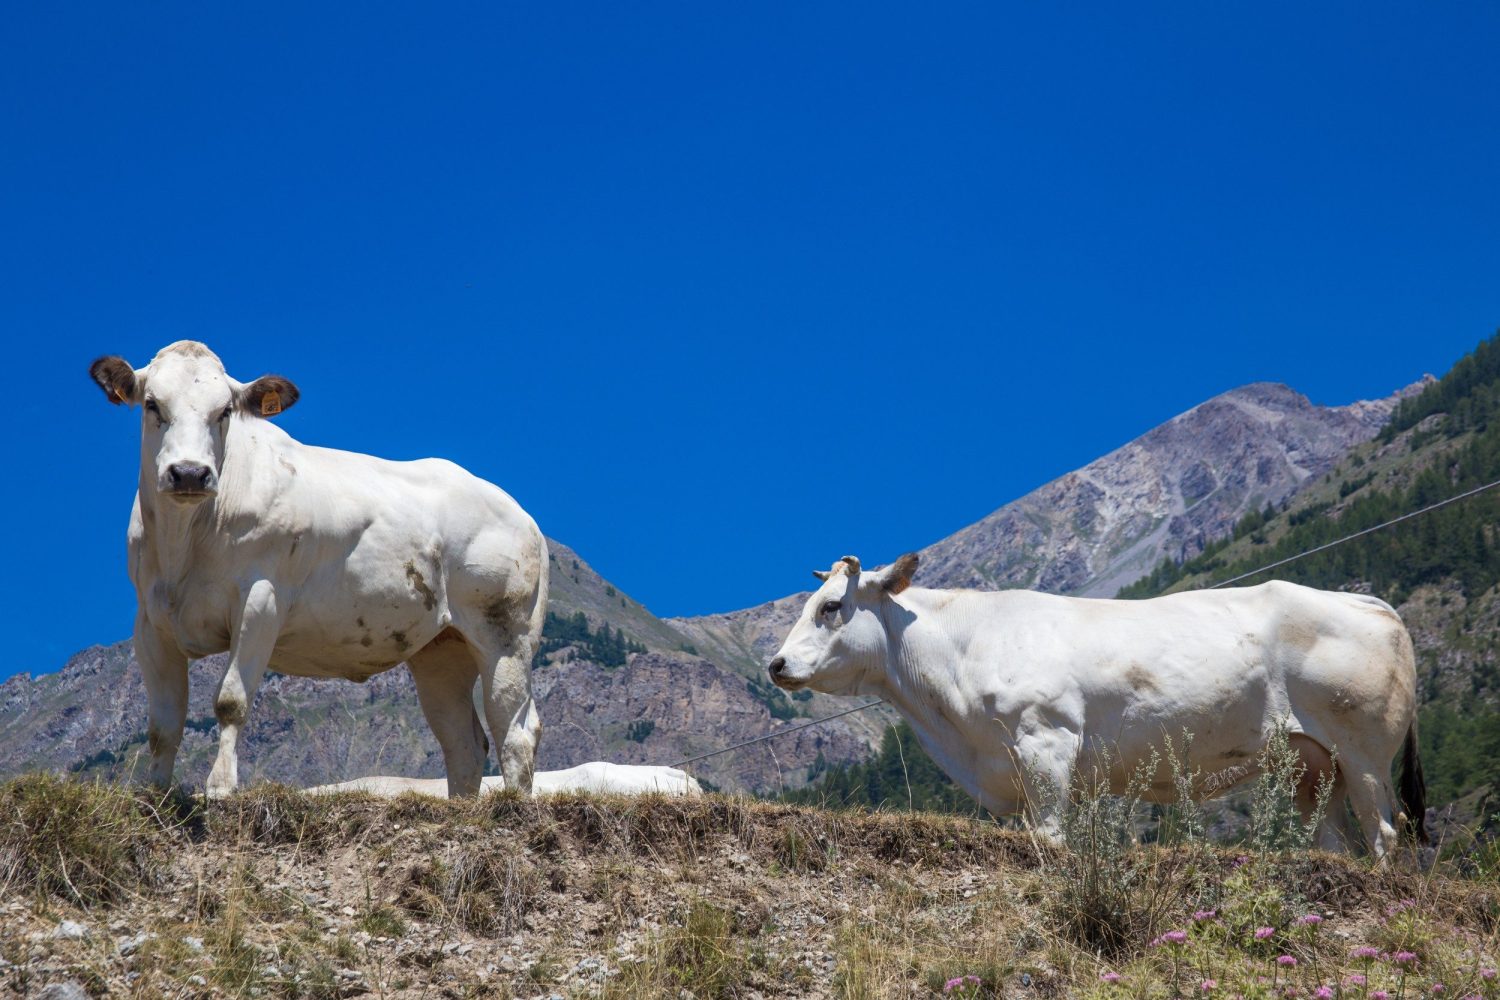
[1340, 541]
[781, 732]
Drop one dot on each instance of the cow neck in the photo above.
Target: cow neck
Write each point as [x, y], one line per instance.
[904, 683]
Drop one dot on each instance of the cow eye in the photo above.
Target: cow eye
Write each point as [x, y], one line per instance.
[155, 411]
[831, 607]
[227, 411]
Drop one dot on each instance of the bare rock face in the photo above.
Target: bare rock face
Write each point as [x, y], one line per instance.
[1091, 532]
[1163, 495]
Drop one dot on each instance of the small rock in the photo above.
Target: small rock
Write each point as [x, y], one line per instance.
[63, 991]
[197, 980]
[194, 944]
[347, 911]
[463, 949]
[130, 945]
[70, 930]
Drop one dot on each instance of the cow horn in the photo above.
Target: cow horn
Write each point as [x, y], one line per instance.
[822, 574]
[852, 562]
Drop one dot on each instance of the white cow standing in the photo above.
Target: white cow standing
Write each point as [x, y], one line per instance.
[1008, 691]
[320, 563]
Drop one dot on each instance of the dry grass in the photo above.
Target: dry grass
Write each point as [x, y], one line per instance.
[274, 894]
[82, 843]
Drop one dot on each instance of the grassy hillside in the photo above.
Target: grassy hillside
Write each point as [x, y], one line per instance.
[279, 895]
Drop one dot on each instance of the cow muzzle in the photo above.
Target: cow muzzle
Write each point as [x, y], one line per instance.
[190, 482]
[777, 669]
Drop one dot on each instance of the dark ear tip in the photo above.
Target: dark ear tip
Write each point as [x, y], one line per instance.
[114, 375]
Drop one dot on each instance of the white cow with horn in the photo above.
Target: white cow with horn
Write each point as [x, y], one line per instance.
[1011, 691]
[320, 563]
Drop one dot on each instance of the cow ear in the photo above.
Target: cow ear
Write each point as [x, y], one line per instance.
[268, 396]
[822, 574]
[117, 379]
[897, 576]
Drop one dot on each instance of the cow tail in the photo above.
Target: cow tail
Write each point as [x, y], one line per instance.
[1413, 787]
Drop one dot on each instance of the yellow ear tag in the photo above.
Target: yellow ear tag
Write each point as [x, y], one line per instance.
[270, 404]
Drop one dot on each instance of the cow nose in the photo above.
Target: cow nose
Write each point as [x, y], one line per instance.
[190, 477]
[776, 666]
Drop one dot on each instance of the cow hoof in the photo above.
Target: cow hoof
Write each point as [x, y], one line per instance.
[218, 791]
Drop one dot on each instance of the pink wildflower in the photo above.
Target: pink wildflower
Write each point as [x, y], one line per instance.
[1380, 995]
[1286, 960]
[1437, 989]
[1487, 973]
[1208, 985]
[1261, 933]
[1310, 920]
[1366, 951]
[1202, 915]
[953, 984]
[1172, 937]
[1323, 993]
[1110, 977]
[1404, 957]
[1355, 979]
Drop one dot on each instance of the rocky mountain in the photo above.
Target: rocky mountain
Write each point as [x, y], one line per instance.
[618, 683]
[1164, 495]
[658, 707]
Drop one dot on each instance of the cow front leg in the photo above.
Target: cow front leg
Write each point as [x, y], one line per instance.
[1046, 758]
[249, 655]
[164, 671]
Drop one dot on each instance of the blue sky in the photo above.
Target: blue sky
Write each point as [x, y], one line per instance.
[721, 294]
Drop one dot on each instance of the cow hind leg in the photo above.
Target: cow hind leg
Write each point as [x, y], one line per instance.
[1373, 800]
[502, 646]
[500, 614]
[505, 681]
[444, 674]
[1318, 768]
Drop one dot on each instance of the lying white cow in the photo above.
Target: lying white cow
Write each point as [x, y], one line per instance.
[596, 777]
[320, 563]
[1011, 691]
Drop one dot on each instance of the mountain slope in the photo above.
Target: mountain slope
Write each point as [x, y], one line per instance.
[1166, 494]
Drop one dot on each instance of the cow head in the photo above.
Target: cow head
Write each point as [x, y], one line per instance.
[840, 639]
[188, 402]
